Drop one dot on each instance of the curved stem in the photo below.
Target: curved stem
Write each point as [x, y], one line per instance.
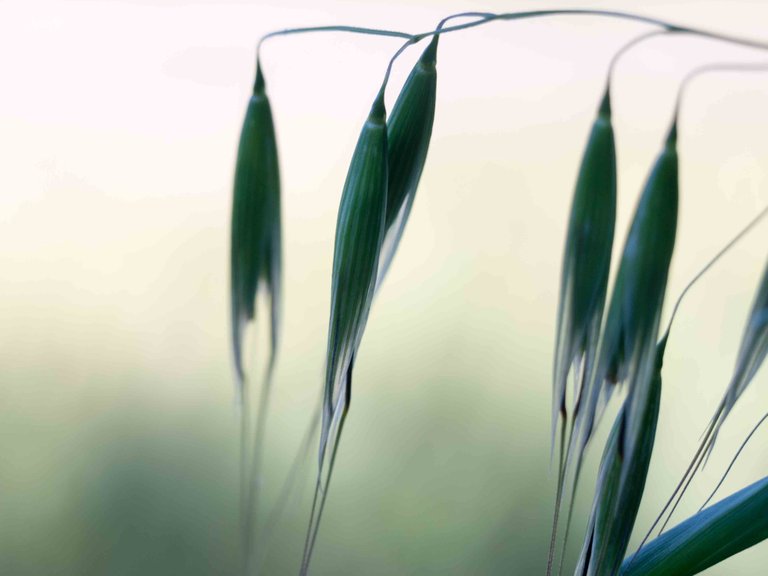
[629, 45]
[487, 17]
[490, 17]
[743, 232]
[484, 16]
[351, 29]
[745, 42]
[710, 68]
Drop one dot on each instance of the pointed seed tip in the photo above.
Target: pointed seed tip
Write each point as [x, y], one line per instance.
[258, 85]
[429, 56]
[605, 104]
[672, 135]
[378, 110]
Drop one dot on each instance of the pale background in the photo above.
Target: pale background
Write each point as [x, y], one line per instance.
[118, 128]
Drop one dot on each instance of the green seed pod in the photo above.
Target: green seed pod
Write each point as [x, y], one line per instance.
[359, 233]
[628, 345]
[409, 130]
[620, 484]
[586, 259]
[256, 229]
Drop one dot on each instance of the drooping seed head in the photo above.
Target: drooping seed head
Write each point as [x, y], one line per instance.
[256, 228]
[627, 348]
[409, 130]
[587, 257]
[359, 233]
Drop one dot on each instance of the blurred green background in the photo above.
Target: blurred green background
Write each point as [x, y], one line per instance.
[118, 429]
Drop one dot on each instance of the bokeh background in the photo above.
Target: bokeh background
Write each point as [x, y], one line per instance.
[118, 128]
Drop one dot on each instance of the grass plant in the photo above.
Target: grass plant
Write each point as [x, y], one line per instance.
[608, 342]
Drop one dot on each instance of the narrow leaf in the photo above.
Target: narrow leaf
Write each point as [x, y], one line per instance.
[714, 534]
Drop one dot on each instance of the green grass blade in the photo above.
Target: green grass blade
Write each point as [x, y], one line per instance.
[714, 534]
[409, 130]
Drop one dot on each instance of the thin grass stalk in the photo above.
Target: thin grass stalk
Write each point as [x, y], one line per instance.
[488, 17]
[255, 477]
[289, 486]
[325, 474]
[752, 352]
[733, 461]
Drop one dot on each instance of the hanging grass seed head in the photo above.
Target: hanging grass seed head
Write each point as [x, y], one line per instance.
[602, 351]
[628, 345]
[409, 130]
[376, 201]
[359, 234]
[256, 228]
[586, 260]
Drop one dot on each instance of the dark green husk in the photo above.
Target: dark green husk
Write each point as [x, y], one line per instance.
[256, 224]
[409, 131]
